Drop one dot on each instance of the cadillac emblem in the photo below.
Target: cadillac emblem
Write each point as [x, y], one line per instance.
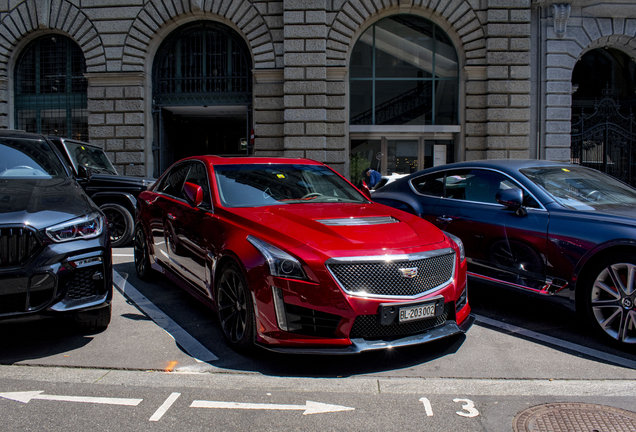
[408, 273]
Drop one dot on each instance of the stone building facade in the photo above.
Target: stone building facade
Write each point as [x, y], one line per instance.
[515, 62]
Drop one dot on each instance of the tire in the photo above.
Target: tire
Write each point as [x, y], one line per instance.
[609, 297]
[95, 320]
[235, 308]
[142, 255]
[120, 222]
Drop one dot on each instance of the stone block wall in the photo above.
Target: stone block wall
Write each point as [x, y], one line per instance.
[117, 120]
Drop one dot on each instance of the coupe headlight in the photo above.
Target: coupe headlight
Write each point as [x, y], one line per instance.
[280, 262]
[460, 245]
[86, 227]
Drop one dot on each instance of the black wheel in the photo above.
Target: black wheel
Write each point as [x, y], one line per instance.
[142, 256]
[94, 320]
[120, 223]
[236, 313]
[609, 298]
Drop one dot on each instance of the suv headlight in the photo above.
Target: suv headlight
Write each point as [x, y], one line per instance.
[280, 262]
[82, 228]
[460, 245]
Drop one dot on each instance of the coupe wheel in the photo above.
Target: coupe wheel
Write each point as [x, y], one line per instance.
[609, 300]
[142, 256]
[120, 223]
[236, 313]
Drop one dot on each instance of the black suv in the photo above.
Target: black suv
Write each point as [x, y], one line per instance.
[55, 252]
[115, 194]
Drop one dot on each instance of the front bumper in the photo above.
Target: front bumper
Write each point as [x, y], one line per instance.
[63, 278]
[449, 328]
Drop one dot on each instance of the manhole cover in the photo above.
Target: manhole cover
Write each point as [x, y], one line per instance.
[574, 417]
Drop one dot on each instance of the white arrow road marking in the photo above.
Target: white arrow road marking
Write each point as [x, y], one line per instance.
[309, 407]
[26, 397]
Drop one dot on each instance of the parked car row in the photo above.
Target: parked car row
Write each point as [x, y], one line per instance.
[293, 258]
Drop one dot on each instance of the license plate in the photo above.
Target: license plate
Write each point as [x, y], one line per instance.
[418, 312]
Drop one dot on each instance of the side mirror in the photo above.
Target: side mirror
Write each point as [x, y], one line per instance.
[194, 193]
[365, 190]
[512, 199]
[84, 172]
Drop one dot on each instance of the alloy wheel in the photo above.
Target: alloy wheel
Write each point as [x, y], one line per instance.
[233, 305]
[613, 298]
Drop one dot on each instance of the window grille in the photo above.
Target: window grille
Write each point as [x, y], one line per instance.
[50, 88]
[203, 64]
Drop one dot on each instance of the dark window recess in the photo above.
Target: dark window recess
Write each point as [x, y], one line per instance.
[369, 327]
[310, 322]
[51, 88]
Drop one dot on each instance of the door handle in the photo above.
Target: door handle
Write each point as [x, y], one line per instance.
[171, 217]
[445, 219]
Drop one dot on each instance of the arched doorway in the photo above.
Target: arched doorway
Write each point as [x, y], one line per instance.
[50, 88]
[202, 93]
[603, 133]
[403, 84]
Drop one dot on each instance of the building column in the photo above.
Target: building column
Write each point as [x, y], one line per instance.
[116, 119]
[509, 79]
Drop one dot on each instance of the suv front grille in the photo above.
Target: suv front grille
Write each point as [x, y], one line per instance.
[369, 327]
[17, 246]
[387, 278]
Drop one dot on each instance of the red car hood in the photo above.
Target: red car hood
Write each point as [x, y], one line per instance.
[295, 225]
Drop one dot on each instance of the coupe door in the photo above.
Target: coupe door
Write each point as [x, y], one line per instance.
[501, 244]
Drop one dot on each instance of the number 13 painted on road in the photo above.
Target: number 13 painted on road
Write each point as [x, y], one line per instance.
[468, 407]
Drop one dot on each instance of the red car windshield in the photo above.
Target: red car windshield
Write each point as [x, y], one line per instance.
[256, 185]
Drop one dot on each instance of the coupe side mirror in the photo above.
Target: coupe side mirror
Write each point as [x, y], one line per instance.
[194, 193]
[512, 199]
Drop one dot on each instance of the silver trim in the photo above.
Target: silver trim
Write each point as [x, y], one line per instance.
[358, 221]
[394, 258]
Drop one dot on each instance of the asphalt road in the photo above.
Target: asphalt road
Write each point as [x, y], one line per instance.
[163, 365]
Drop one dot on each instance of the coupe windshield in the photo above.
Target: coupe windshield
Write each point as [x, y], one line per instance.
[27, 158]
[582, 188]
[255, 185]
[90, 157]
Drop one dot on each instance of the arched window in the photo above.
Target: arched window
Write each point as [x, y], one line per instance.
[50, 88]
[403, 71]
[203, 63]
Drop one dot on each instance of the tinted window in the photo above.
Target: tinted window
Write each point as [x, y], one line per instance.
[253, 185]
[24, 158]
[172, 183]
[481, 186]
[581, 188]
[430, 185]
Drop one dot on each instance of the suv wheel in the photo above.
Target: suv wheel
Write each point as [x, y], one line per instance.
[120, 223]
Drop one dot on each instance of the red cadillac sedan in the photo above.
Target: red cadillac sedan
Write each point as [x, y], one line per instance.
[292, 257]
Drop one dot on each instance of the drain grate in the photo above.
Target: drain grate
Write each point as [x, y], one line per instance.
[574, 417]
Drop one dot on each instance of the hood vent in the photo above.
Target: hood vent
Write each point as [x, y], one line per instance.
[358, 221]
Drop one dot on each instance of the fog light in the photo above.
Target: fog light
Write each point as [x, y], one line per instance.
[279, 306]
[86, 262]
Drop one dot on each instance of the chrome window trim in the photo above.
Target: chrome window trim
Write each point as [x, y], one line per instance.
[542, 208]
[399, 258]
